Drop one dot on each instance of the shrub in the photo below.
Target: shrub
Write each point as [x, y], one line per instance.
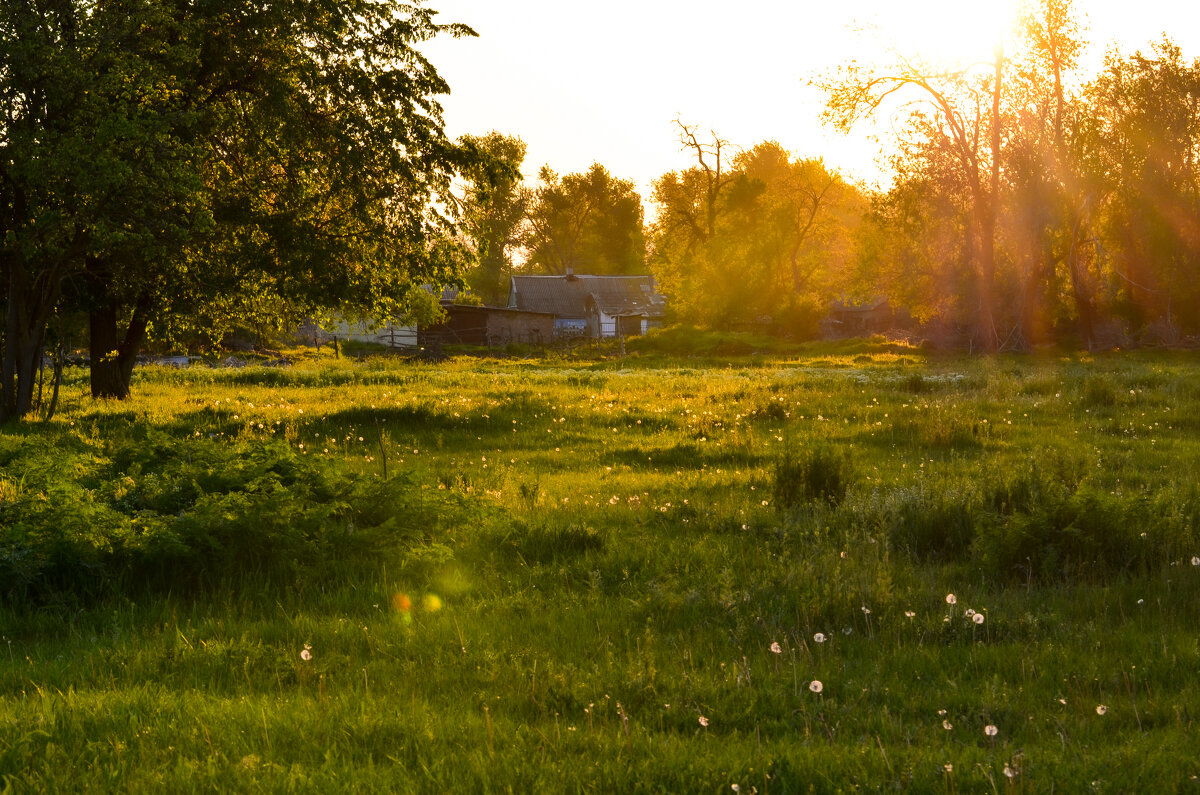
[166, 514]
[931, 523]
[1099, 393]
[1087, 531]
[820, 472]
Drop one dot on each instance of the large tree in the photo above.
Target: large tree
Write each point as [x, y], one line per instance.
[589, 222]
[494, 205]
[227, 153]
[1145, 111]
[953, 127]
[756, 235]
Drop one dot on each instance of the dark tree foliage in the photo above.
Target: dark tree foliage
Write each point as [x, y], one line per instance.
[170, 165]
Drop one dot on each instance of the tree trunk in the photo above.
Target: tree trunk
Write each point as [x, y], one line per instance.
[989, 338]
[112, 355]
[1079, 288]
[27, 309]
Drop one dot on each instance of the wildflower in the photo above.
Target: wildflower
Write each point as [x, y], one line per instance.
[866, 610]
[909, 614]
[1008, 771]
[775, 648]
[306, 652]
[951, 599]
[704, 721]
[816, 686]
[1195, 560]
[949, 768]
[947, 725]
[990, 730]
[819, 637]
[969, 613]
[1101, 709]
[977, 618]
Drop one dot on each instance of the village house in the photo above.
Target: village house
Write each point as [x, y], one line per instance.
[591, 306]
[466, 324]
[858, 320]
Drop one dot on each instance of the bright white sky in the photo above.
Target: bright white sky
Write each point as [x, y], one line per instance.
[584, 82]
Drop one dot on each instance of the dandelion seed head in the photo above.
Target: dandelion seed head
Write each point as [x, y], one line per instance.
[977, 618]
[947, 725]
[909, 614]
[1008, 771]
[1195, 560]
[819, 637]
[951, 599]
[816, 686]
[990, 730]
[704, 721]
[1101, 709]
[306, 653]
[776, 648]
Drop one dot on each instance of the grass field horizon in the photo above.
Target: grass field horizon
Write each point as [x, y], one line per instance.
[821, 568]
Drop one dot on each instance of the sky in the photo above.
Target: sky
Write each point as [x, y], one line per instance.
[606, 81]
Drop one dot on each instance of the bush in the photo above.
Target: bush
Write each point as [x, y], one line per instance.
[160, 513]
[931, 524]
[821, 472]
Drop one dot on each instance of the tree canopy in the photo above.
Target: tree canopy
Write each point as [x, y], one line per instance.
[166, 162]
[1029, 205]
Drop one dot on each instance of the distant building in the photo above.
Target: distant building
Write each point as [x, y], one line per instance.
[858, 320]
[591, 306]
[490, 326]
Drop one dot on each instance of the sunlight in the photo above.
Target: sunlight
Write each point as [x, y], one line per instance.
[945, 31]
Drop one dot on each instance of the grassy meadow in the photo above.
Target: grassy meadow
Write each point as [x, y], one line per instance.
[818, 569]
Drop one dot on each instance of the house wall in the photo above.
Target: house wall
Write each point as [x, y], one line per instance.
[532, 328]
[479, 325]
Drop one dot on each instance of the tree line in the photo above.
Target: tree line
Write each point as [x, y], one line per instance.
[1029, 204]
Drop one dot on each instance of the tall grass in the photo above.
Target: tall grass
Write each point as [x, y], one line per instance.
[570, 563]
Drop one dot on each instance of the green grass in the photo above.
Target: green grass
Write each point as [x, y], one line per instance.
[585, 557]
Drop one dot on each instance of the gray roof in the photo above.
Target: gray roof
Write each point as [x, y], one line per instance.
[568, 296]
